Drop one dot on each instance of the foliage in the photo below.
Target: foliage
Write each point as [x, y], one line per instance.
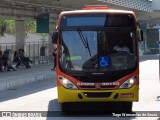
[8, 26]
[2, 27]
[31, 26]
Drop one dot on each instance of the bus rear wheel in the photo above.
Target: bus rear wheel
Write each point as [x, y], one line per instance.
[127, 106]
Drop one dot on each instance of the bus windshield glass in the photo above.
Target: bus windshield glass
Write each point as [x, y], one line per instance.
[97, 50]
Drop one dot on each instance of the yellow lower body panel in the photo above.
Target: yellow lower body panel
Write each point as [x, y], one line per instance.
[69, 95]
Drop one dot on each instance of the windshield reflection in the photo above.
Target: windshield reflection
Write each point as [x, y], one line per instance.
[94, 51]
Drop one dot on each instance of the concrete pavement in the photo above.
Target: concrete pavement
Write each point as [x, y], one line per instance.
[12, 79]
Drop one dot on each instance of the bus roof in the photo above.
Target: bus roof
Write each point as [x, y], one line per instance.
[97, 11]
[93, 7]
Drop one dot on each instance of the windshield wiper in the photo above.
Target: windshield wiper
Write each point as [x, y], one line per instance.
[84, 41]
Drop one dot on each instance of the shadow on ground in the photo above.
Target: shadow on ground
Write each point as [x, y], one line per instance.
[94, 109]
[26, 89]
[149, 57]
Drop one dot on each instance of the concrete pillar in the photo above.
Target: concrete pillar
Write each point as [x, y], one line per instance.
[20, 34]
[146, 49]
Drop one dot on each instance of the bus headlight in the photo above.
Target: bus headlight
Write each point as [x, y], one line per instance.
[129, 83]
[66, 83]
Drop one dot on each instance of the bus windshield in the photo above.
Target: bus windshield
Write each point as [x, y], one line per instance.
[97, 42]
[97, 50]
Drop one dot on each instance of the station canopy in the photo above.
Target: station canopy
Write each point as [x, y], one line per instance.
[142, 8]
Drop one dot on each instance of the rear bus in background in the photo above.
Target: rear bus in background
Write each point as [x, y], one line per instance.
[89, 68]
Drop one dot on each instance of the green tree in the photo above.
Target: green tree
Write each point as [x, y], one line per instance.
[10, 28]
[2, 27]
[7, 26]
[31, 26]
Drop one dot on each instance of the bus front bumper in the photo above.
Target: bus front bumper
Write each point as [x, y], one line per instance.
[70, 95]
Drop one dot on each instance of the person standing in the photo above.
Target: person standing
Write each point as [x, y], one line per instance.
[54, 37]
[54, 58]
[1, 62]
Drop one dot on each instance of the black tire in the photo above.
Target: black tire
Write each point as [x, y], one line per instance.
[65, 107]
[127, 106]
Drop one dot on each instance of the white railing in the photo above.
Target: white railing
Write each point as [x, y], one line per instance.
[33, 50]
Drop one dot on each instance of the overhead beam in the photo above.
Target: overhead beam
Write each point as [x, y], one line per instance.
[149, 16]
[16, 13]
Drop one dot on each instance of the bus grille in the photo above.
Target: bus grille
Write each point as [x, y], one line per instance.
[97, 94]
[93, 79]
[107, 87]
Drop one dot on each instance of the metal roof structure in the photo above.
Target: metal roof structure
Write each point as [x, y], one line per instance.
[29, 9]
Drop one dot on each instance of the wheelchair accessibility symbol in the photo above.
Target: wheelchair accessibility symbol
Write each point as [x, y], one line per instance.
[104, 61]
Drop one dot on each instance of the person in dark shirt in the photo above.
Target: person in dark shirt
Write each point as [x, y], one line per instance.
[54, 55]
[1, 62]
[24, 58]
[20, 59]
[6, 64]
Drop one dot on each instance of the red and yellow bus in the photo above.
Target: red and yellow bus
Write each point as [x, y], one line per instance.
[89, 67]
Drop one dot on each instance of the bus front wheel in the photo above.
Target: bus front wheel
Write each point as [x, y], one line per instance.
[127, 106]
[65, 107]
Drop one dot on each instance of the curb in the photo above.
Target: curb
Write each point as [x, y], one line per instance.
[25, 79]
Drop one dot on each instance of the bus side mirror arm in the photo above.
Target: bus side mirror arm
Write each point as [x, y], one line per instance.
[141, 32]
[54, 37]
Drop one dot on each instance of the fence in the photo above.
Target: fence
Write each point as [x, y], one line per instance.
[40, 51]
